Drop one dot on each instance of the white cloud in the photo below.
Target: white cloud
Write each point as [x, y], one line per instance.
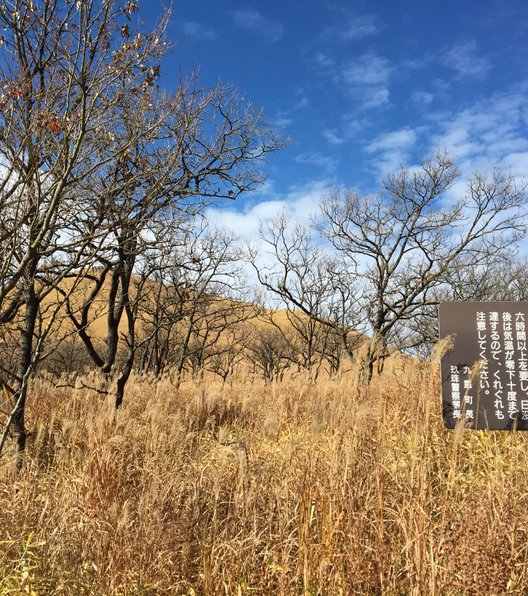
[302, 103]
[252, 20]
[490, 133]
[352, 125]
[369, 69]
[353, 27]
[286, 117]
[465, 60]
[422, 98]
[349, 127]
[282, 121]
[441, 86]
[517, 162]
[323, 60]
[317, 159]
[374, 97]
[396, 139]
[332, 136]
[366, 79]
[392, 149]
[487, 133]
[198, 32]
[299, 204]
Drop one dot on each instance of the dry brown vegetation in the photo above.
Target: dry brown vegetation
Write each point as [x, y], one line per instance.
[285, 488]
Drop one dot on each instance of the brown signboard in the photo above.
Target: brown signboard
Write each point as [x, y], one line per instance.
[485, 376]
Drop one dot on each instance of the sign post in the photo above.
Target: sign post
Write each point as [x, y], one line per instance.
[485, 376]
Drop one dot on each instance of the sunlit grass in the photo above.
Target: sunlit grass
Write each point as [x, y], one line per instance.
[289, 488]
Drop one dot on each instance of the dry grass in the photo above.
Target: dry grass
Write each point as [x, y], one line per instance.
[291, 488]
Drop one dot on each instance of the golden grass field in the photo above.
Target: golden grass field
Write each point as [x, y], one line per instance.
[246, 488]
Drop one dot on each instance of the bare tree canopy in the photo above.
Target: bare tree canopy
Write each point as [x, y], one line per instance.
[96, 158]
[388, 255]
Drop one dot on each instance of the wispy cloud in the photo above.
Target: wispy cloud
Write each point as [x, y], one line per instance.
[422, 99]
[367, 79]
[392, 149]
[334, 137]
[350, 127]
[464, 58]
[299, 205]
[492, 131]
[350, 26]
[303, 101]
[288, 116]
[323, 60]
[252, 20]
[396, 139]
[488, 133]
[369, 69]
[198, 31]
[283, 121]
[315, 158]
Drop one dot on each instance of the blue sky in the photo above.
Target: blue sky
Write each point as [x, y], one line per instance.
[361, 87]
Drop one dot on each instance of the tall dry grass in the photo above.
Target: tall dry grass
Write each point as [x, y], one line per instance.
[290, 488]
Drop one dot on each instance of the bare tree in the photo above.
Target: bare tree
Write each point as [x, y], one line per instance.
[63, 66]
[208, 282]
[320, 295]
[405, 240]
[230, 353]
[94, 159]
[197, 305]
[501, 277]
[181, 152]
[270, 353]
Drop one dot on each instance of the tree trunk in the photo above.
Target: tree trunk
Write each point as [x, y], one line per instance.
[184, 351]
[122, 381]
[25, 366]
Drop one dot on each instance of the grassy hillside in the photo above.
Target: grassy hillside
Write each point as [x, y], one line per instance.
[97, 325]
[243, 488]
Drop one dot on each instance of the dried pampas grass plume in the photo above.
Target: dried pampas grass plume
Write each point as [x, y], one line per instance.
[442, 348]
